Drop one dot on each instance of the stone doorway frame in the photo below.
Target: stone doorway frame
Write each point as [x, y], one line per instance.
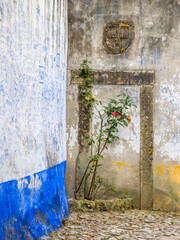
[144, 79]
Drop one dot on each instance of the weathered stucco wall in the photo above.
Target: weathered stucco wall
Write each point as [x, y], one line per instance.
[33, 46]
[155, 47]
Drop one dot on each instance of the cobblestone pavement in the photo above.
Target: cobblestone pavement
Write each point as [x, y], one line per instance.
[129, 225]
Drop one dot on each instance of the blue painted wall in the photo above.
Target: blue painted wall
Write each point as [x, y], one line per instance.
[30, 212]
[33, 50]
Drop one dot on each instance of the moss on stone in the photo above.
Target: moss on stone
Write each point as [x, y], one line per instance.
[101, 205]
[116, 204]
[87, 204]
[81, 205]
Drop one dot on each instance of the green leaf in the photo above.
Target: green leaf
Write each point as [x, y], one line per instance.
[98, 165]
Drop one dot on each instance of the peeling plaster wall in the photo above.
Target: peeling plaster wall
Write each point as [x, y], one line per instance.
[155, 47]
[33, 46]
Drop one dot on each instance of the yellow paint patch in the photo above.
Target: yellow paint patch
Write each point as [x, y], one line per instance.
[120, 164]
[174, 174]
[160, 170]
[168, 201]
[157, 202]
[71, 161]
[178, 206]
[124, 25]
[130, 167]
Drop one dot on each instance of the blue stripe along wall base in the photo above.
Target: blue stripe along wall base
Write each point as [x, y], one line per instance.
[33, 206]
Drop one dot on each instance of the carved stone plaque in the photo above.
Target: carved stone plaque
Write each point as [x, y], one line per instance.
[118, 36]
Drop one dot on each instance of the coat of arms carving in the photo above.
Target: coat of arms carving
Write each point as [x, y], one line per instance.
[118, 36]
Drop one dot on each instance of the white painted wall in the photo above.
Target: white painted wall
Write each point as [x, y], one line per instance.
[33, 45]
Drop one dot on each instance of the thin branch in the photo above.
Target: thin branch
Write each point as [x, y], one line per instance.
[83, 177]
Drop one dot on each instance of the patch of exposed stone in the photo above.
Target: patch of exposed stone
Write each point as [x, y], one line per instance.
[112, 225]
[116, 204]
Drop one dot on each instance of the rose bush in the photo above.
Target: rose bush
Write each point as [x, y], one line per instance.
[111, 116]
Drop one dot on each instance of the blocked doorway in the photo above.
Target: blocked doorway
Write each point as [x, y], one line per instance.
[128, 163]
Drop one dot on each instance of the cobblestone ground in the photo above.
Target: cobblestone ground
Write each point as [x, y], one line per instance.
[129, 225]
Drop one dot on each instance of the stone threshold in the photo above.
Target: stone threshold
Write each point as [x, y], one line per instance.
[84, 205]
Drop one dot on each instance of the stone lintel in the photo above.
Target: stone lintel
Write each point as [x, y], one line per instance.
[137, 78]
